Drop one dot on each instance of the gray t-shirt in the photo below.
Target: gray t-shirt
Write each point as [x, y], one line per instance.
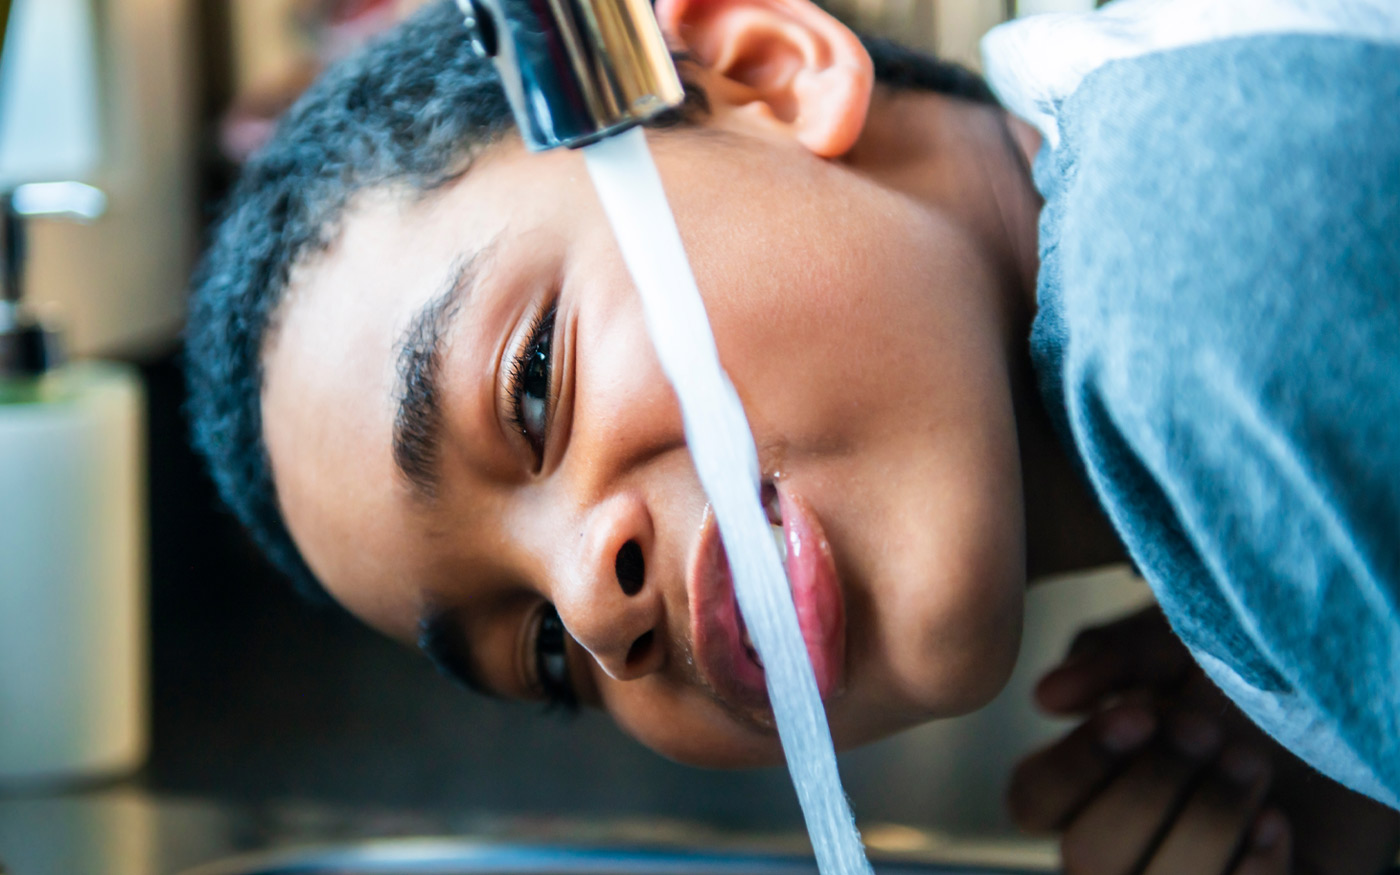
[1219, 339]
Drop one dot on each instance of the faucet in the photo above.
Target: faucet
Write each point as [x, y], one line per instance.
[575, 71]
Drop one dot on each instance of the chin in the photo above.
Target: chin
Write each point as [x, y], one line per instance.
[963, 665]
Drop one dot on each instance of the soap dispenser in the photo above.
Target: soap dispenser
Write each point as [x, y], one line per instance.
[73, 661]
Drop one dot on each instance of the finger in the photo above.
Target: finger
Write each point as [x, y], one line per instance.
[1081, 681]
[1049, 786]
[1270, 849]
[1118, 829]
[1215, 824]
[1108, 659]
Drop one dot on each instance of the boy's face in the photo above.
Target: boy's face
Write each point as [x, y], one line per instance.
[864, 331]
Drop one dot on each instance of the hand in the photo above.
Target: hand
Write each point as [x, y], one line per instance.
[1165, 776]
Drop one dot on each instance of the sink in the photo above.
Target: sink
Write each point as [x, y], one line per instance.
[466, 857]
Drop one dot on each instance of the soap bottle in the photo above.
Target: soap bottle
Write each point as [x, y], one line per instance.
[73, 641]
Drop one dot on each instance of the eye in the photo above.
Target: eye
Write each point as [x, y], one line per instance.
[529, 389]
[552, 660]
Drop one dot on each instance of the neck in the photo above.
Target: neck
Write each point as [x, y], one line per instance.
[1066, 528]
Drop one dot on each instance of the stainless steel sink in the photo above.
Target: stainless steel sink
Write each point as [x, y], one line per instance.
[464, 857]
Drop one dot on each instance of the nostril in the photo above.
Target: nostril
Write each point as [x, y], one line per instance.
[630, 568]
[639, 649]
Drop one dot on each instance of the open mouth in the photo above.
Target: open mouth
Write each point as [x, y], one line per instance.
[724, 648]
[772, 507]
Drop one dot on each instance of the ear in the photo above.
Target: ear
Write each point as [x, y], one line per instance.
[787, 63]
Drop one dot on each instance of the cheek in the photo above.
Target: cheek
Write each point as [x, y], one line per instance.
[829, 337]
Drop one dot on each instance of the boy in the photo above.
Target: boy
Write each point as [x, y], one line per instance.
[420, 374]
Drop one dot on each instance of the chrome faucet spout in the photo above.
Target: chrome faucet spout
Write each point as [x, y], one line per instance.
[576, 71]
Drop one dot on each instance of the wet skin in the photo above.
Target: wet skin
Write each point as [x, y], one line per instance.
[867, 261]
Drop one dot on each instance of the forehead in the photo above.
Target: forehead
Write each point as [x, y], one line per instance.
[329, 395]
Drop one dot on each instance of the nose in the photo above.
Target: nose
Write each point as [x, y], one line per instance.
[610, 601]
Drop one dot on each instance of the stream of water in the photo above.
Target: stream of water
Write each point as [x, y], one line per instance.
[722, 446]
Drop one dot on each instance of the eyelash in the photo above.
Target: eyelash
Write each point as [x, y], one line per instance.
[549, 629]
[540, 336]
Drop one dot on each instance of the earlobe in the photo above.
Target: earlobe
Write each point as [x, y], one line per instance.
[790, 64]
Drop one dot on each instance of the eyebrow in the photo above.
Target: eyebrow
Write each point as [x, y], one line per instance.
[417, 431]
[445, 644]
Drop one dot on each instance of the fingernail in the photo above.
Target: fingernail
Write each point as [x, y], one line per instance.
[1242, 765]
[1126, 730]
[1268, 830]
[1195, 735]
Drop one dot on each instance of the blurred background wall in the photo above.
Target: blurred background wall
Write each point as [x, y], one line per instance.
[255, 695]
[105, 90]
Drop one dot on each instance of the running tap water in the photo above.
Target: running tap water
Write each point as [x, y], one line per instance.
[587, 73]
[722, 446]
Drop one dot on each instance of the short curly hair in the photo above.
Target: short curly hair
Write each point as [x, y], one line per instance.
[413, 110]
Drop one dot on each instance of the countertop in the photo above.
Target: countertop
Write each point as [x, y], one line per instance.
[126, 830]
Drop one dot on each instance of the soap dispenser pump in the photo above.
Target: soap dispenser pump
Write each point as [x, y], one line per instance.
[73, 673]
[29, 351]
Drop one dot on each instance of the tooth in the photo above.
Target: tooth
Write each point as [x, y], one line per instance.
[753, 651]
[780, 538]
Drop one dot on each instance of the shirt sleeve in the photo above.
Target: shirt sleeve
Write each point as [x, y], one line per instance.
[1228, 257]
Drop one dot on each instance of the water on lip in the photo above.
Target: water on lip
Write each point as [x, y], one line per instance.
[722, 447]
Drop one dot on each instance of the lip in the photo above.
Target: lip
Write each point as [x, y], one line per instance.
[716, 632]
